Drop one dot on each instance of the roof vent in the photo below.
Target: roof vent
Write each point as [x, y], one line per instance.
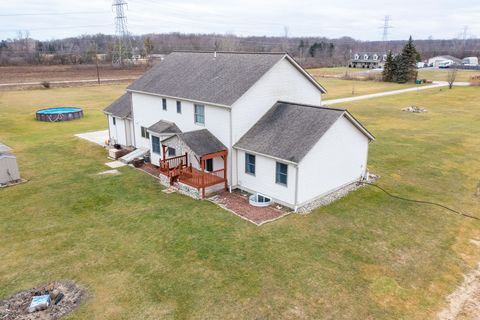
[214, 54]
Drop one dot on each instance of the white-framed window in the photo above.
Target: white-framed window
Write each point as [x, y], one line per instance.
[375, 57]
[199, 114]
[281, 173]
[164, 104]
[356, 57]
[179, 106]
[250, 163]
[114, 121]
[171, 152]
[365, 57]
[155, 144]
[145, 133]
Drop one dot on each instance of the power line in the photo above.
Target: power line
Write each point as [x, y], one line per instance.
[50, 13]
[59, 27]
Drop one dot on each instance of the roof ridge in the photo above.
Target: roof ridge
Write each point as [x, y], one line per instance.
[229, 52]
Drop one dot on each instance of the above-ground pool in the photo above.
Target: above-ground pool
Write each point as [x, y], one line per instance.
[59, 114]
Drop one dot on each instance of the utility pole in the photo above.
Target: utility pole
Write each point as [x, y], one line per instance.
[96, 62]
[123, 48]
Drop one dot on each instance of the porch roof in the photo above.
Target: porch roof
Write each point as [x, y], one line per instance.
[164, 127]
[201, 142]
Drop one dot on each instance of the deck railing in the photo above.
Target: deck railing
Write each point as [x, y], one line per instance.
[170, 164]
[197, 179]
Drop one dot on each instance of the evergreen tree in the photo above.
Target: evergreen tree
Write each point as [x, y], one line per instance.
[407, 64]
[388, 73]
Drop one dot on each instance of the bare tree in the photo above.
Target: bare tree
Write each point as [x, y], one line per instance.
[452, 75]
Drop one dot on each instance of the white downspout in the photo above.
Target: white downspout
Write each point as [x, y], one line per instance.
[296, 189]
[231, 152]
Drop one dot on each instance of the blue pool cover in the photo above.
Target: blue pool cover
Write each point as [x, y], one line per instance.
[58, 110]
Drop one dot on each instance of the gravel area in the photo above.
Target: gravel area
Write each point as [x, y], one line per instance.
[237, 203]
[16, 307]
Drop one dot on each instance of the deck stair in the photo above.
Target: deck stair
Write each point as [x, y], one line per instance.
[137, 153]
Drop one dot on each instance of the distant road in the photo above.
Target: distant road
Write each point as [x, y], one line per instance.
[60, 82]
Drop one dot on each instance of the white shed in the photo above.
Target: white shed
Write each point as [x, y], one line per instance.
[8, 166]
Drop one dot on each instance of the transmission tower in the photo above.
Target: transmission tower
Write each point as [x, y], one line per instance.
[386, 27]
[123, 46]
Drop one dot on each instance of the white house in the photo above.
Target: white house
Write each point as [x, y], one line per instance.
[443, 61]
[249, 121]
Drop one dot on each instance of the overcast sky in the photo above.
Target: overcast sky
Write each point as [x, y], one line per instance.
[441, 19]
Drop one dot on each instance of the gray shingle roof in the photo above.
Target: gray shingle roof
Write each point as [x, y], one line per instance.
[289, 131]
[200, 76]
[202, 142]
[122, 107]
[164, 127]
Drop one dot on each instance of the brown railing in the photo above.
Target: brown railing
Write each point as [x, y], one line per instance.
[173, 163]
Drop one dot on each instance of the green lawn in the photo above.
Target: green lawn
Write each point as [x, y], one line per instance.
[337, 88]
[442, 74]
[143, 254]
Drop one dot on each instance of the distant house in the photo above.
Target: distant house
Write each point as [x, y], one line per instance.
[368, 60]
[240, 121]
[470, 61]
[443, 61]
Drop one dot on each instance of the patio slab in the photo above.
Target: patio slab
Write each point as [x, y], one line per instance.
[115, 164]
[237, 203]
[97, 137]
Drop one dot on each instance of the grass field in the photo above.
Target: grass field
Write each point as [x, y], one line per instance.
[338, 88]
[143, 254]
[442, 74]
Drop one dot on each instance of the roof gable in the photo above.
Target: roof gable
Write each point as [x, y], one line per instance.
[218, 78]
[201, 142]
[288, 131]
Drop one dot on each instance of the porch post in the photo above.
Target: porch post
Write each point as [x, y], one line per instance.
[225, 169]
[203, 177]
[164, 148]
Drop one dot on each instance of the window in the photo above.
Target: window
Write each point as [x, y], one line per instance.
[199, 114]
[209, 165]
[179, 107]
[156, 145]
[145, 133]
[281, 173]
[164, 104]
[249, 163]
[171, 152]
[114, 121]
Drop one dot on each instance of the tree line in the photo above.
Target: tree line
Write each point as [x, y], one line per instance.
[309, 51]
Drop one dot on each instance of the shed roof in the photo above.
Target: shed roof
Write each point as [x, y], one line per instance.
[122, 107]
[288, 131]
[201, 142]
[219, 78]
[163, 126]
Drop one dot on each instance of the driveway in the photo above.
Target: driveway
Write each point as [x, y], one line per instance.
[436, 84]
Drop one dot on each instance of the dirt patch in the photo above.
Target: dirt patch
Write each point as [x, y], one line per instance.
[464, 302]
[16, 307]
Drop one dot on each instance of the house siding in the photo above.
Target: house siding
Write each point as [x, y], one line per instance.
[282, 82]
[338, 158]
[264, 179]
[120, 133]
